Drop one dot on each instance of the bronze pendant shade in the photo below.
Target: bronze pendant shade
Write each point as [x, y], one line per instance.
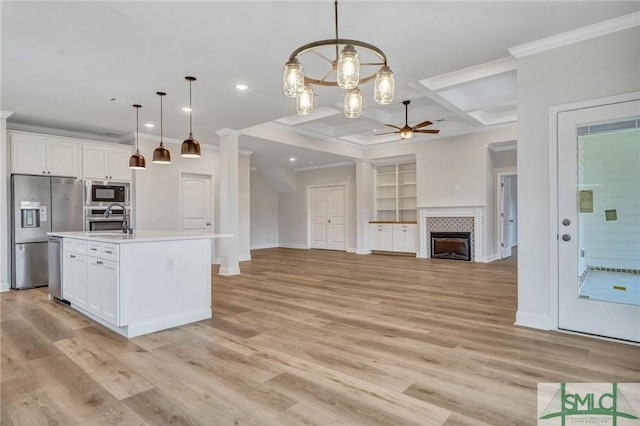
[161, 155]
[190, 146]
[137, 161]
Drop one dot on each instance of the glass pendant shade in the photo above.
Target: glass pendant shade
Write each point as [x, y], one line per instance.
[137, 161]
[304, 101]
[190, 146]
[353, 103]
[348, 68]
[161, 155]
[292, 79]
[384, 87]
[406, 133]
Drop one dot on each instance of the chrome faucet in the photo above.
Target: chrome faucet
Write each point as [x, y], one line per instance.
[125, 219]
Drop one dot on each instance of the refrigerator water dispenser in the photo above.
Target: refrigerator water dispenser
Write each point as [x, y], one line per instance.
[30, 214]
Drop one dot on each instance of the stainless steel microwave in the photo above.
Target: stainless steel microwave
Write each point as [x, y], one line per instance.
[100, 193]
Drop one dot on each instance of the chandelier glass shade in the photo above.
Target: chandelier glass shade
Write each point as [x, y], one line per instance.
[344, 71]
[304, 101]
[137, 161]
[161, 154]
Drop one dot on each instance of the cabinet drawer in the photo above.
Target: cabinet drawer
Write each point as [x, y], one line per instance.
[74, 246]
[110, 252]
[407, 227]
[381, 226]
[94, 249]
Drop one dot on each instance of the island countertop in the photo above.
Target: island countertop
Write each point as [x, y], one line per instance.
[138, 236]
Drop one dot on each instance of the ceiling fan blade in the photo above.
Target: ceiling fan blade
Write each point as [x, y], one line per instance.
[395, 127]
[388, 133]
[427, 131]
[423, 124]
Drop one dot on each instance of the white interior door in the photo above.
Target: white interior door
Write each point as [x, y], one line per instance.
[505, 216]
[196, 194]
[599, 220]
[327, 211]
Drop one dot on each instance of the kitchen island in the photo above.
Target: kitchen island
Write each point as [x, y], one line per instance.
[138, 283]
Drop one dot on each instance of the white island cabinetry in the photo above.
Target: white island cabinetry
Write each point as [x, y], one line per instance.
[141, 283]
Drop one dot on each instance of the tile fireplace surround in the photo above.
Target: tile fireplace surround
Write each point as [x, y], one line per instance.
[464, 219]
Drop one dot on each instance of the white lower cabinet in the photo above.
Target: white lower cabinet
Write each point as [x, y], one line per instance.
[393, 237]
[92, 282]
[381, 237]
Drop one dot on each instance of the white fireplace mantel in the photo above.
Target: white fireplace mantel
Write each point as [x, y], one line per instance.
[476, 212]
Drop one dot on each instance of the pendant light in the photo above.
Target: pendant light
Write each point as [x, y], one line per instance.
[304, 102]
[190, 146]
[161, 155]
[348, 68]
[137, 161]
[353, 103]
[384, 87]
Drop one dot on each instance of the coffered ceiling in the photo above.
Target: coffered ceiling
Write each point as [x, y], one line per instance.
[63, 61]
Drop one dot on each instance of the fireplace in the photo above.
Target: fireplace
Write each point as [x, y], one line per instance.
[451, 245]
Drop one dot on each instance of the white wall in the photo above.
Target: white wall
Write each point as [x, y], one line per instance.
[156, 187]
[244, 207]
[590, 69]
[292, 207]
[264, 213]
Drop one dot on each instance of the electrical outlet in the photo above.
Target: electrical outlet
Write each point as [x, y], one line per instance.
[168, 264]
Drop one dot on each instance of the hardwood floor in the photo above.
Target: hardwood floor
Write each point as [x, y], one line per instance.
[304, 337]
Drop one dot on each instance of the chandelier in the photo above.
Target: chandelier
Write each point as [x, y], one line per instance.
[344, 72]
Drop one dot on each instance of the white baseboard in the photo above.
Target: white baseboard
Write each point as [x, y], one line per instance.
[488, 259]
[229, 271]
[4, 286]
[531, 320]
[363, 251]
[351, 250]
[294, 246]
[244, 258]
[265, 246]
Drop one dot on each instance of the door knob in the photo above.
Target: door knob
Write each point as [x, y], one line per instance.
[566, 237]
[208, 223]
[566, 222]
[329, 220]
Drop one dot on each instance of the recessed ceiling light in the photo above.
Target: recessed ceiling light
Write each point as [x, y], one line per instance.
[242, 86]
[120, 101]
[310, 162]
[292, 159]
[149, 125]
[186, 109]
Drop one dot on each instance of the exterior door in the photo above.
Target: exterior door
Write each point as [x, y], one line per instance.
[328, 218]
[196, 193]
[599, 220]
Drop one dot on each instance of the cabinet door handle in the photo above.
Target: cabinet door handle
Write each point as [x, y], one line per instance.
[73, 256]
[94, 249]
[108, 251]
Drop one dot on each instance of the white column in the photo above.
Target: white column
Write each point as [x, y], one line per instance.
[364, 205]
[5, 190]
[229, 203]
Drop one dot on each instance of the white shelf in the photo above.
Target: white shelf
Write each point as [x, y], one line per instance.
[391, 205]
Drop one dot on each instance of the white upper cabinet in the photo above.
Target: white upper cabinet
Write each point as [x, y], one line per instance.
[37, 155]
[106, 162]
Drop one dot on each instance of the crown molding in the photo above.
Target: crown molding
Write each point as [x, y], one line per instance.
[409, 158]
[570, 37]
[325, 166]
[475, 72]
[227, 132]
[5, 114]
[50, 131]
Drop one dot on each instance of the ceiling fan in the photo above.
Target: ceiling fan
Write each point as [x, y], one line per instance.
[407, 131]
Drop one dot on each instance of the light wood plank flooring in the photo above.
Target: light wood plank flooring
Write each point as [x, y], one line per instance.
[304, 338]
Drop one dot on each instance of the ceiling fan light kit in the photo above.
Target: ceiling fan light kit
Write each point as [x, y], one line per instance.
[346, 66]
[190, 146]
[137, 161]
[407, 132]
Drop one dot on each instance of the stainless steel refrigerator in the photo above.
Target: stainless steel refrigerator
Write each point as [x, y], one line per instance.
[40, 204]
